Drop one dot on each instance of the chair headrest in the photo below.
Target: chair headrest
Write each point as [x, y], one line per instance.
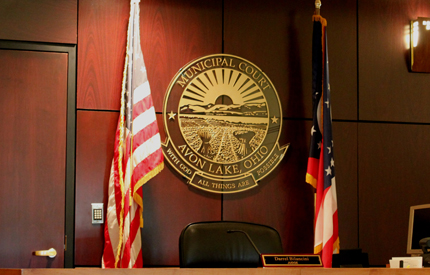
[226, 244]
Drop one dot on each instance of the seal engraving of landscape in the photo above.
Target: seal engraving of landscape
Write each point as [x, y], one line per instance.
[223, 118]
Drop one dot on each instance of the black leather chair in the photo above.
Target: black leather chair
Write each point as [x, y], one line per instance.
[226, 244]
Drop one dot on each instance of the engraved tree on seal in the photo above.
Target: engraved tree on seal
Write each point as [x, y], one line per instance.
[223, 115]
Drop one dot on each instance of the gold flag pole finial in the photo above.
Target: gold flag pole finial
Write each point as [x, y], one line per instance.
[317, 7]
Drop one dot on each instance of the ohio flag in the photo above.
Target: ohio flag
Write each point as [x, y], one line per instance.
[321, 169]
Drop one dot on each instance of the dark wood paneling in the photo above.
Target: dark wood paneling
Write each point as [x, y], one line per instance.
[101, 52]
[341, 18]
[169, 205]
[283, 199]
[390, 169]
[172, 34]
[278, 40]
[44, 21]
[274, 35]
[33, 147]
[392, 178]
[95, 138]
[277, 37]
[388, 92]
[346, 158]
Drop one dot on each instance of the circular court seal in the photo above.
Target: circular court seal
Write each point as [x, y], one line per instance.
[222, 117]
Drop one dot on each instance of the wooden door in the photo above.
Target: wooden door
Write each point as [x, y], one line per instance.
[33, 127]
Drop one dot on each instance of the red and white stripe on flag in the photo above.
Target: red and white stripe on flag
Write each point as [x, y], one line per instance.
[137, 158]
[321, 168]
[326, 239]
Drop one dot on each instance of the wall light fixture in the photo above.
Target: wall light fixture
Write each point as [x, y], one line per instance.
[420, 45]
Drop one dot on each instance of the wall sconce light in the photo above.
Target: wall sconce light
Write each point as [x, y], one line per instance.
[420, 45]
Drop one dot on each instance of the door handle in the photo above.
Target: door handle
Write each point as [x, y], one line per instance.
[51, 253]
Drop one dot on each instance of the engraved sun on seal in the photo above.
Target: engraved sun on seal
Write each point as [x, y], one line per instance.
[223, 115]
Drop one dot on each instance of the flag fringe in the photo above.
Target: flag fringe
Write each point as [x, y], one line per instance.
[311, 180]
[319, 18]
[147, 177]
[318, 249]
[137, 198]
[336, 246]
[120, 154]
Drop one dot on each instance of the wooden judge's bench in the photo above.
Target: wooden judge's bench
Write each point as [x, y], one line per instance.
[220, 271]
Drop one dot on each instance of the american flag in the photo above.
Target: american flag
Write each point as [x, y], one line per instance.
[320, 171]
[137, 157]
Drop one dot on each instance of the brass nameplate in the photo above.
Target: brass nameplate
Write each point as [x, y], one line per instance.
[282, 260]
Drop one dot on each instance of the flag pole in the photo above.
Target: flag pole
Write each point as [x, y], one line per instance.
[317, 7]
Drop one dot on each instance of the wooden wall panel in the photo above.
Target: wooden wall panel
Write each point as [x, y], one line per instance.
[43, 21]
[95, 138]
[279, 41]
[283, 199]
[388, 92]
[341, 18]
[392, 179]
[346, 160]
[390, 155]
[169, 205]
[274, 36]
[277, 37]
[101, 52]
[172, 34]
